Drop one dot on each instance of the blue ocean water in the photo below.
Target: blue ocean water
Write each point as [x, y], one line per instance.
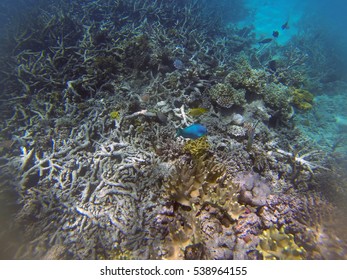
[67, 65]
[312, 20]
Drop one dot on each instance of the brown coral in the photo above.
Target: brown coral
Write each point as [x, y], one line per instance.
[226, 96]
[200, 187]
[246, 77]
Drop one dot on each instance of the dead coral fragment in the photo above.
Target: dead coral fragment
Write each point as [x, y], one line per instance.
[197, 147]
[277, 245]
[302, 99]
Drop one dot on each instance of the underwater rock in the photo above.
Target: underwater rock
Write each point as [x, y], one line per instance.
[254, 190]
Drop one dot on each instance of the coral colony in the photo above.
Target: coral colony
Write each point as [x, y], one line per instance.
[150, 130]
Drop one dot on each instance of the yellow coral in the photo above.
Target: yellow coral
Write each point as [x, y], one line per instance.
[193, 185]
[277, 245]
[302, 99]
[204, 181]
[197, 147]
[115, 115]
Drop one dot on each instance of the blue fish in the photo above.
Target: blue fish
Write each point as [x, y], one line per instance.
[178, 64]
[193, 131]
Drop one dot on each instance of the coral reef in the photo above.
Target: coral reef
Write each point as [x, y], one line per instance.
[92, 95]
[247, 78]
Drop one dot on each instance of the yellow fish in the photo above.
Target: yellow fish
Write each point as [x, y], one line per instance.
[195, 112]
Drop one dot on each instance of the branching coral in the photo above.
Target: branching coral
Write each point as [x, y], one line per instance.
[194, 186]
[197, 147]
[277, 245]
[87, 169]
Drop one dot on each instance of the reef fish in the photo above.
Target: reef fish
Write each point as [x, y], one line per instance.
[275, 33]
[285, 25]
[179, 65]
[265, 41]
[195, 112]
[193, 131]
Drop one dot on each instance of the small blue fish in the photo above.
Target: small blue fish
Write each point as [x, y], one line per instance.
[179, 65]
[193, 131]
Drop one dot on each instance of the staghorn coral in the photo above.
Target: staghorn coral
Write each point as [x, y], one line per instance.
[226, 96]
[277, 245]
